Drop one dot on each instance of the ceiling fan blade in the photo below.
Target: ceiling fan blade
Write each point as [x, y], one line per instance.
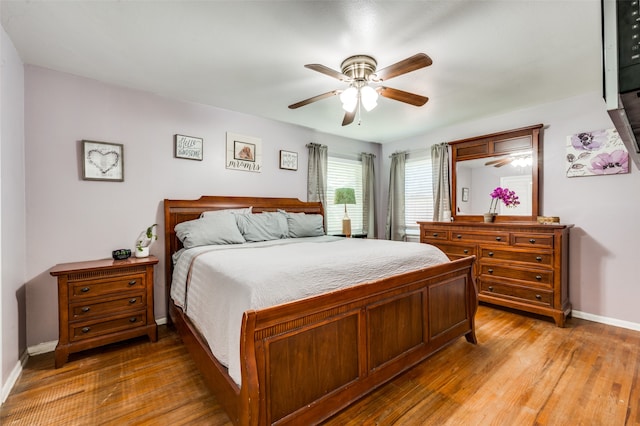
[504, 162]
[348, 118]
[328, 71]
[314, 99]
[417, 61]
[402, 96]
[492, 162]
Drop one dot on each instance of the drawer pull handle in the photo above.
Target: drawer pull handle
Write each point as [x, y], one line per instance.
[84, 289]
[459, 236]
[132, 282]
[490, 271]
[538, 297]
[132, 301]
[134, 319]
[435, 235]
[490, 253]
[86, 329]
[532, 241]
[498, 238]
[86, 309]
[490, 288]
[465, 251]
[539, 258]
[538, 277]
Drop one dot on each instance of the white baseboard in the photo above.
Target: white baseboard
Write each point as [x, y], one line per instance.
[13, 377]
[606, 320]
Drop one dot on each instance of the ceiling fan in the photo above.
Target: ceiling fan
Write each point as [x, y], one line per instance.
[359, 71]
[521, 160]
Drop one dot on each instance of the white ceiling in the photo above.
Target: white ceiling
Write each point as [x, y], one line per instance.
[488, 56]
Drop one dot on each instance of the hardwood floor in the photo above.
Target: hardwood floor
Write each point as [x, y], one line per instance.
[524, 371]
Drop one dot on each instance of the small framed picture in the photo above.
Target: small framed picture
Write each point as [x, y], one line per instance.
[288, 160]
[188, 147]
[465, 194]
[102, 161]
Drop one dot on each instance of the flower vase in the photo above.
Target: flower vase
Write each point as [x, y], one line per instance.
[490, 217]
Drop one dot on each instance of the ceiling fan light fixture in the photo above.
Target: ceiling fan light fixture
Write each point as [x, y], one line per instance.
[369, 97]
[349, 99]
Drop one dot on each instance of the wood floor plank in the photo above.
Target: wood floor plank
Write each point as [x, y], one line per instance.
[524, 371]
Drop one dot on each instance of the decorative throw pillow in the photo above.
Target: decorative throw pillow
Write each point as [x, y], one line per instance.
[264, 226]
[304, 225]
[212, 229]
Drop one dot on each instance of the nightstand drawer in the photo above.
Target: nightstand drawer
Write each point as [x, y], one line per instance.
[85, 289]
[86, 330]
[96, 308]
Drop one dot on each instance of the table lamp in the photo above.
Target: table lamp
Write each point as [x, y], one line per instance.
[345, 196]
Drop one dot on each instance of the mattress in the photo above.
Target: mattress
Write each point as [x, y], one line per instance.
[215, 285]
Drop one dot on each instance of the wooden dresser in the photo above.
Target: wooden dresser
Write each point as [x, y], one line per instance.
[520, 265]
[103, 301]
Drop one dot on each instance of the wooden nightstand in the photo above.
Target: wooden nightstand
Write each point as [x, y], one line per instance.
[103, 301]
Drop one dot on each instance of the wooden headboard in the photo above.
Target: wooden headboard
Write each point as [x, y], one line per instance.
[177, 211]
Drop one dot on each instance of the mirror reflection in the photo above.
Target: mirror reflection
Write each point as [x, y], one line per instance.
[477, 178]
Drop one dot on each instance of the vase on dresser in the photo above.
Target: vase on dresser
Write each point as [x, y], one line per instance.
[490, 217]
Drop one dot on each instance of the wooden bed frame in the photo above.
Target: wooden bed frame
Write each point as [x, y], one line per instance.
[306, 360]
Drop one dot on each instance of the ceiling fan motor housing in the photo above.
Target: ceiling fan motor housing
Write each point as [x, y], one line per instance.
[359, 67]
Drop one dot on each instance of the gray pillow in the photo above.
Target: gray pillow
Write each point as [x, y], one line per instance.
[304, 225]
[265, 226]
[214, 229]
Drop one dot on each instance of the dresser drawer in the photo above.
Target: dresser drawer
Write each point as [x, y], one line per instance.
[434, 234]
[100, 307]
[457, 250]
[527, 294]
[88, 329]
[93, 288]
[541, 277]
[513, 255]
[481, 237]
[532, 240]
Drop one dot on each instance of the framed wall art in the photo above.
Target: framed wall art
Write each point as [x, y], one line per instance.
[598, 152]
[102, 161]
[288, 160]
[244, 153]
[465, 194]
[187, 147]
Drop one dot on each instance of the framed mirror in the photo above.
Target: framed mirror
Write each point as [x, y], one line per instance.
[507, 159]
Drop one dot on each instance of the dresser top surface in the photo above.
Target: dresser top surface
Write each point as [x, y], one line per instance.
[66, 268]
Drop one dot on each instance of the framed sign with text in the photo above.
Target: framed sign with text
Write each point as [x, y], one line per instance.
[188, 147]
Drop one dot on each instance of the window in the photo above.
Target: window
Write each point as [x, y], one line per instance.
[343, 173]
[418, 197]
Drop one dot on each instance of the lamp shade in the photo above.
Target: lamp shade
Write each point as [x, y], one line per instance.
[345, 196]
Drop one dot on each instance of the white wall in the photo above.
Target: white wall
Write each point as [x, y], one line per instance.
[12, 214]
[69, 219]
[605, 210]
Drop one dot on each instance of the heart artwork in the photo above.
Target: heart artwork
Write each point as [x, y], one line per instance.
[103, 160]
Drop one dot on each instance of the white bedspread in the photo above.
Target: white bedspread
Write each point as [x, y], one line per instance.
[227, 280]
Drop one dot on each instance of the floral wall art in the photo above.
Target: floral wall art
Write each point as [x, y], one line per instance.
[599, 152]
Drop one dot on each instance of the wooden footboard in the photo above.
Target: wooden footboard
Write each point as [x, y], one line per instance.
[302, 362]
[305, 361]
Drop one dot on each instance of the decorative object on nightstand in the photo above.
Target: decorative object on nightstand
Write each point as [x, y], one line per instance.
[103, 301]
[144, 241]
[345, 196]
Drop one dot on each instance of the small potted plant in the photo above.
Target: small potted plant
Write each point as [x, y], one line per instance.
[509, 198]
[144, 241]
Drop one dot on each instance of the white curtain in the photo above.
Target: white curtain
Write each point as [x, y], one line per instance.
[317, 174]
[440, 180]
[396, 228]
[369, 222]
